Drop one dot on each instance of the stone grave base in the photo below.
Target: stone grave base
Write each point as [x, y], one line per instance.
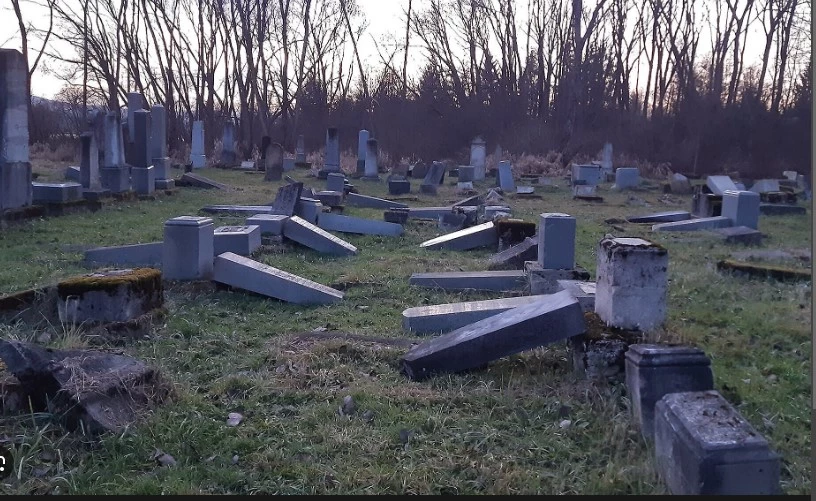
[599, 353]
[545, 281]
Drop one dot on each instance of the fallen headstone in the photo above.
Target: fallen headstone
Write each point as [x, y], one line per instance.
[357, 200]
[309, 235]
[287, 199]
[241, 240]
[781, 209]
[198, 181]
[719, 184]
[451, 221]
[581, 290]
[513, 258]
[398, 215]
[330, 198]
[661, 217]
[679, 184]
[357, 225]
[56, 193]
[441, 318]
[238, 209]
[703, 223]
[268, 223]
[482, 235]
[91, 391]
[502, 280]
[764, 270]
[428, 212]
[742, 207]
[765, 186]
[244, 273]
[739, 235]
[149, 254]
[528, 326]
[703, 446]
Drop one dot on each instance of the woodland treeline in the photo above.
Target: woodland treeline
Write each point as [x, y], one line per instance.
[663, 80]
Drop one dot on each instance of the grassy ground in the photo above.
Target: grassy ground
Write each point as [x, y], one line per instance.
[495, 431]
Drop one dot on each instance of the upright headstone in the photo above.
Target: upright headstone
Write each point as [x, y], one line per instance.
[331, 160]
[188, 248]
[556, 241]
[135, 101]
[336, 181]
[158, 145]
[114, 174]
[273, 163]
[228, 155]
[362, 149]
[505, 174]
[371, 172]
[197, 156]
[141, 138]
[434, 177]
[626, 177]
[300, 150]
[15, 170]
[606, 162]
[477, 158]
[742, 207]
[89, 162]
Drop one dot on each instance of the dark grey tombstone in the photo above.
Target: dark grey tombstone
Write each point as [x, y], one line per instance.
[513, 258]
[15, 169]
[273, 162]
[398, 186]
[654, 370]
[89, 161]
[287, 199]
[141, 139]
[549, 319]
[703, 446]
[436, 174]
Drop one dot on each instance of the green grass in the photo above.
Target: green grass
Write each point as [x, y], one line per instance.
[494, 431]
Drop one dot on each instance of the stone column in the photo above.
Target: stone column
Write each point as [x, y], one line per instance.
[371, 171]
[228, 155]
[89, 162]
[631, 283]
[362, 145]
[135, 101]
[188, 248]
[477, 158]
[197, 156]
[15, 170]
[143, 175]
[606, 163]
[158, 145]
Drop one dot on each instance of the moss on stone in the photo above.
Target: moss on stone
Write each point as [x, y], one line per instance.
[146, 280]
[768, 270]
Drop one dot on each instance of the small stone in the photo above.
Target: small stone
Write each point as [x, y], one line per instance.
[280, 369]
[747, 381]
[349, 407]
[44, 338]
[362, 307]
[368, 416]
[405, 436]
[772, 378]
[565, 424]
[234, 419]
[40, 472]
[235, 459]
[164, 459]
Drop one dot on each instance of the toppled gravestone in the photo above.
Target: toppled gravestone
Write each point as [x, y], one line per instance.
[91, 392]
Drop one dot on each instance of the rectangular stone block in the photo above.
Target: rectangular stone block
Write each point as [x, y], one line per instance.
[161, 168]
[15, 185]
[433, 213]
[556, 241]
[763, 186]
[586, 174]
[165, 184]
[441, 318]
[288, 164]
[482, 235]
[336, 181]
[742, 207]
[435, 175]
[740, 235]
[187, 253]
[115, 179]
[357, 225]
[244, 273]
[702, 223]
[704, 446]
[513, 258]
[330, 198]
[781, 209]
[655, 370]
[309, 235]
[72, 173]
[503, 280]
[719, 184]
[238, 209]
[506, 181]
[398, 216]
[241, 240]
[149, 254]
[56, 193]
[143, 180]
[428, 189]
[524, 327]
[661, 217]
[308, 209]
[198, 181]
[467, 173]
[268, 223]
[399, 186]
[357, 200]
[626, 177]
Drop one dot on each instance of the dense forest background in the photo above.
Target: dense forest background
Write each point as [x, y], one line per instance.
[666, 81]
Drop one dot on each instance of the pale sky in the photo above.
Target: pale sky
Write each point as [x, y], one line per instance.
[385, 20]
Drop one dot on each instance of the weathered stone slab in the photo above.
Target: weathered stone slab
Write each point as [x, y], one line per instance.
[763, 270]
[273, 162]
[451, 221]
[308, 209]
[89, 391]
[109, 296]
[740, 235]
[398, 215]
[428, 212]
[626, 177]
[742, 207]
[482, 235]
[244, 273]
[241, 240]
[115, 179]
[89, 161]
[188, 248]
[679, 184]
[545, 281]
[398, 186]
[661, 217]
[525, 190]
[305, 233]
[719, 184]
[503, 280]
[556, 241]
[506, 181]
[435, 175]
[513, 258]
[764, 186]
[268, 223]
[528, 326]
[655, 370]
[478, 154]
[703, 446]
[238, 209]
[287, 199]
[198, 181]
[441, 318]
[336, 181]
[586, 174]
[56, 193]
[631, 284]
[474, 201]
[781, 209]
[149, 254]
[197, 157]
[581, 290]
[143, 180]
[330, 198]
[357, 225]
[357, 200]
[703, 223]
